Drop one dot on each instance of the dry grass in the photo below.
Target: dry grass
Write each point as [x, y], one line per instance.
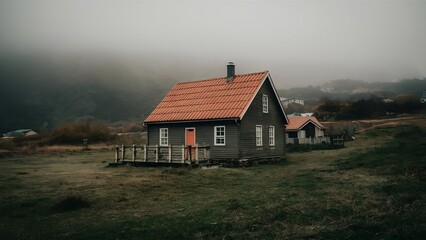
[312, 195]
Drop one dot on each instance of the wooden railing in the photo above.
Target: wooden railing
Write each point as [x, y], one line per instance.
[310, 141]
[162, 154]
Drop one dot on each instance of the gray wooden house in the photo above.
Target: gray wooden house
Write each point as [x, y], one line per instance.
[237, 116]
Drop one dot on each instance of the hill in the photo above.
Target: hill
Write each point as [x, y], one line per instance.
[357, 89]
[41, 91]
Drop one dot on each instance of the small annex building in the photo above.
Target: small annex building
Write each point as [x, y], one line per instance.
[423, 98]
[20, 133]
[305, 130]
[237, 116]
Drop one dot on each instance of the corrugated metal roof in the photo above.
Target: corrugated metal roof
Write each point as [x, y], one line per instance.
[298, 122]
[208, 99]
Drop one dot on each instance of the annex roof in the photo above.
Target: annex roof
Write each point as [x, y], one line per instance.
[297, 123]
[209, 99]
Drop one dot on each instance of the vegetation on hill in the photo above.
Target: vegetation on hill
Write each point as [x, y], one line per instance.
[357, 89]
[75, 132]
[69, 133]
[367, 108]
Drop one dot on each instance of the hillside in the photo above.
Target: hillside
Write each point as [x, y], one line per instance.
[357, 89]
[40, 92]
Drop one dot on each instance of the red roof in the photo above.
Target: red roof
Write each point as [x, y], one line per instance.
[297, 123]
[208, 99]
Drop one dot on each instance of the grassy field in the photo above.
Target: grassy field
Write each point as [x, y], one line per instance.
[374, 188]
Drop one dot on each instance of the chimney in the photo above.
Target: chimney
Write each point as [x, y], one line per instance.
[230, 71]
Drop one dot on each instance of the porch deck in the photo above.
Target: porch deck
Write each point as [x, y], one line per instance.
[172, 154]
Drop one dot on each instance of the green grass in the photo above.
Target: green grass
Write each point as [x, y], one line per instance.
[371, 189]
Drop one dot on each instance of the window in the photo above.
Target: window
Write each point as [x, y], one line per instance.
[271, 136]
[164, 136]
[292, 135]
[219, 135]
[259, 135]
[265, 103]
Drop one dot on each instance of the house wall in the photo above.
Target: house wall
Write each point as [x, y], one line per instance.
[204, 135]
[301, 134]
[319, 132]
[255, 116]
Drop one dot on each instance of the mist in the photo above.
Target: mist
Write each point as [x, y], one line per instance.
[300, 42]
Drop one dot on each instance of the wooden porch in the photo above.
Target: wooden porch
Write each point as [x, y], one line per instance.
[172, 154]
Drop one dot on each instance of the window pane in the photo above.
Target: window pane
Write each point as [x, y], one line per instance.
[164, 136]
[219, 135]
[271, 135]
[258, 135]
[265, 103]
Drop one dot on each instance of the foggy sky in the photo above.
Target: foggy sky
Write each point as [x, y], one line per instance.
[300, 42]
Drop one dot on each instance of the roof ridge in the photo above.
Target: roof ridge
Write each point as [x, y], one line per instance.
[222, 78]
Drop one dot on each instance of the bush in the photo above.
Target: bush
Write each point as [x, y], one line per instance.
[70, 203]
[176, 171]
[308, 147]
[75, 132]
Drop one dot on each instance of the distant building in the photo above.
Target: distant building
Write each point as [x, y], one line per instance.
[360, 90]
[305, 130]
[423, 99]
[327, 89]
[286, 101]
[20, 133]
[387, 100]
[301, 114]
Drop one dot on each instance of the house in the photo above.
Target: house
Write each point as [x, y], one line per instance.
[237, 116]
[387, 100]
[306, 114]
[423, 98]
[20, 133]
[305, 130]
[287, 101]
[327, 89]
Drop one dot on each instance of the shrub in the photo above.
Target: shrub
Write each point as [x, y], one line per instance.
[176, 171]
[75, 132]
[70, 203]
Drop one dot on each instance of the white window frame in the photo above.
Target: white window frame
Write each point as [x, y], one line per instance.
[271, 135]
[265, 106]
[166, 138]
[216, 137]
[259, 141]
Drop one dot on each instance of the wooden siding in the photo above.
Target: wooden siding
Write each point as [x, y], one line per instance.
[255, 116]
[204, 134]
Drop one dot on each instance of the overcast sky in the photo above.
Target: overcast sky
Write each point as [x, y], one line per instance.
[300, 42]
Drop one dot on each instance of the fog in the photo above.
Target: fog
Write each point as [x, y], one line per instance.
[300, 42]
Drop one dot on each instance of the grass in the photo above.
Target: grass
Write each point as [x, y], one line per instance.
[371, 189]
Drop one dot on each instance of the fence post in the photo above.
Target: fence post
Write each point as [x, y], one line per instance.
[145, 153]
[170, 153]
[196, 153]
[134, 153]
[208, 151]
[116, 154]
[156, 153]
[123, 152]
[183, 153]
[190, 154]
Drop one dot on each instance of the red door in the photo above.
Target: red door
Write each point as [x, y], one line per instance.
[190, 141]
